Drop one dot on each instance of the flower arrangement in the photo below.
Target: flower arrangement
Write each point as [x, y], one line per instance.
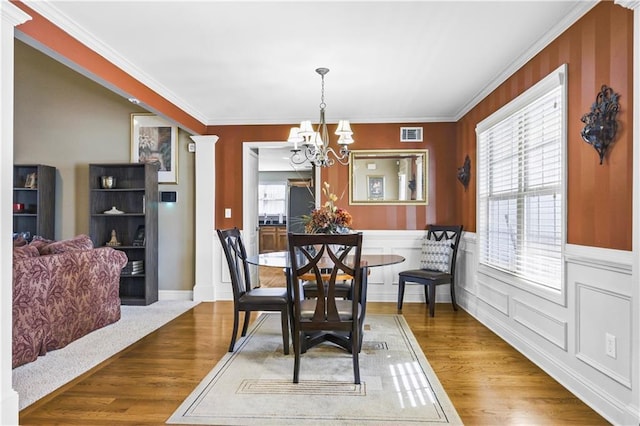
[328, 219]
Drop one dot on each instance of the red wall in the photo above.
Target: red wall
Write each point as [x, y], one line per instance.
[439, 139]
[598, 50]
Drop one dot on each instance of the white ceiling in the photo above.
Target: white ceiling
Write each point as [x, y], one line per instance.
[243, 62]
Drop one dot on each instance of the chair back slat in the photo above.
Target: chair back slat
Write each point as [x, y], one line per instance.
[448, 232]
[236, 256]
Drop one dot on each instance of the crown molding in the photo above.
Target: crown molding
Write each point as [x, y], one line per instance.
[13, 14]
[47, 9]
[629, 4]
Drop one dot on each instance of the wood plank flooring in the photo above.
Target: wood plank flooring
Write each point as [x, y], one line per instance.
[488, 382]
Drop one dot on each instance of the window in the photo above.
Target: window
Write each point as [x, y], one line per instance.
[271, 199]
[521, 171]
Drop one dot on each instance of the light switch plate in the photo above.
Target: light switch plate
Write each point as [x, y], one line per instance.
[191, 147]
[227, 213]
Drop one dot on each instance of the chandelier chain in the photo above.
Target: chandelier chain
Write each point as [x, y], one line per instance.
[323, 105]
[315, 143]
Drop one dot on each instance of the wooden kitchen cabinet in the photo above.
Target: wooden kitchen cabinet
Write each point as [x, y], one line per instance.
[273, 238]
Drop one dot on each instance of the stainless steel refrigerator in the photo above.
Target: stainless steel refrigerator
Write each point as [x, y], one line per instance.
[300, 201]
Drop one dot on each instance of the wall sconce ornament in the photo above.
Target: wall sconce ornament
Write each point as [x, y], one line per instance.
[464, 172]
[600, 124]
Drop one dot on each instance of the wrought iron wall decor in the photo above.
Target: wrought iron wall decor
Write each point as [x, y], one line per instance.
[464, 172]
[600, 124]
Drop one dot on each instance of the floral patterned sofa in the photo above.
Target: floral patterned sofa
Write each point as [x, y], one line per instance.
[62, 290]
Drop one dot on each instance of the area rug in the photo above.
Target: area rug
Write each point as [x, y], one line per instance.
[253, 385]
[36, 379]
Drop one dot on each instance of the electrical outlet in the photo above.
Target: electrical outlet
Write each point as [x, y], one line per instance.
[227, 213]
[610, 345]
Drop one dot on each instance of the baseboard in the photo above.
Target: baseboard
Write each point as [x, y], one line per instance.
[175, 295]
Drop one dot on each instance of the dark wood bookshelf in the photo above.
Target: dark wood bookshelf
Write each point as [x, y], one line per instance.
[38, 214]
[135, 193]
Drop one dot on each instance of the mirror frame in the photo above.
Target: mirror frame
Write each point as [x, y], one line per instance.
[359, 155]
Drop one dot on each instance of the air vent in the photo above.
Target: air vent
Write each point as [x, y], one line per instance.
[410, 134]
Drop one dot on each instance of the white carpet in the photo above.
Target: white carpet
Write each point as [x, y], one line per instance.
[36, 379]
[253, 385]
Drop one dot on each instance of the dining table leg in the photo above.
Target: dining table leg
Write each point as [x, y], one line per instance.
[363, 301]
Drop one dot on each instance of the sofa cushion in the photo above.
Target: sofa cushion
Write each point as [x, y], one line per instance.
[436, 255]
[80, 242]
[19, 241]
[23, 252]
[40, 242]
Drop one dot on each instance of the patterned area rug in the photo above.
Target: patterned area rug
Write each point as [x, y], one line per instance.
[254, 385]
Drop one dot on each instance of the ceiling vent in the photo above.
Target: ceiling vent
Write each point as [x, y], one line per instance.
[410, 134]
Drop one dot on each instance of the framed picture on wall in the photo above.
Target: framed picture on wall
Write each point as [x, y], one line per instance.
[154, 140]
[375, 187]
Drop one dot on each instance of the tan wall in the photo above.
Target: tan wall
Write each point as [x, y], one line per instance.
[598, 50]
[65, 120]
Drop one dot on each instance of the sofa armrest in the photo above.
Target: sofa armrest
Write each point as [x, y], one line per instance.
[83, 293]
[31, 328]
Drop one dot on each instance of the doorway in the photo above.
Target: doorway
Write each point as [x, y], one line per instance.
[276, 152]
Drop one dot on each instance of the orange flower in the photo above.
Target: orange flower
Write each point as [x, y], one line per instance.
[328, 219]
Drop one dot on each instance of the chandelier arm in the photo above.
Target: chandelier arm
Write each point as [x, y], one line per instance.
[296, 158]
[316, 148]
[343, 158]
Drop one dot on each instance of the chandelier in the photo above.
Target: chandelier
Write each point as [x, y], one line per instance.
[314, 145]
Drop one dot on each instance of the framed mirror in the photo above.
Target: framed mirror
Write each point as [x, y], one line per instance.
[388, 176]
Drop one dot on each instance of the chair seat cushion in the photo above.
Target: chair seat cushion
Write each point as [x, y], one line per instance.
[425, 275]
[308, 308]
[265, 295]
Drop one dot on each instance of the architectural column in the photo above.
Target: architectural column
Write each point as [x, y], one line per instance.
[10, 17]
[207, 259]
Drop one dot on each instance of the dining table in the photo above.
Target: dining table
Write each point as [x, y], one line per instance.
[281, 259]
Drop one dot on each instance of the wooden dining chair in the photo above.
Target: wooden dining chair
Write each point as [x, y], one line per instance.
[245, 298]
[437, 266]
[327, 317]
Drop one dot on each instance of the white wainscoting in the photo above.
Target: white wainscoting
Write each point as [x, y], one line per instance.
[566, 335]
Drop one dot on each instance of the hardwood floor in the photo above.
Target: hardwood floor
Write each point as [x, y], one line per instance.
[488, 382]
[271, 277]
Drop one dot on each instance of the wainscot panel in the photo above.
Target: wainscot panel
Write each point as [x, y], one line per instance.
[604, 324]
[547, 326]
[498, 300]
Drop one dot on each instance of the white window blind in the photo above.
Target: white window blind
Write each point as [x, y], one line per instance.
[520, 185]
